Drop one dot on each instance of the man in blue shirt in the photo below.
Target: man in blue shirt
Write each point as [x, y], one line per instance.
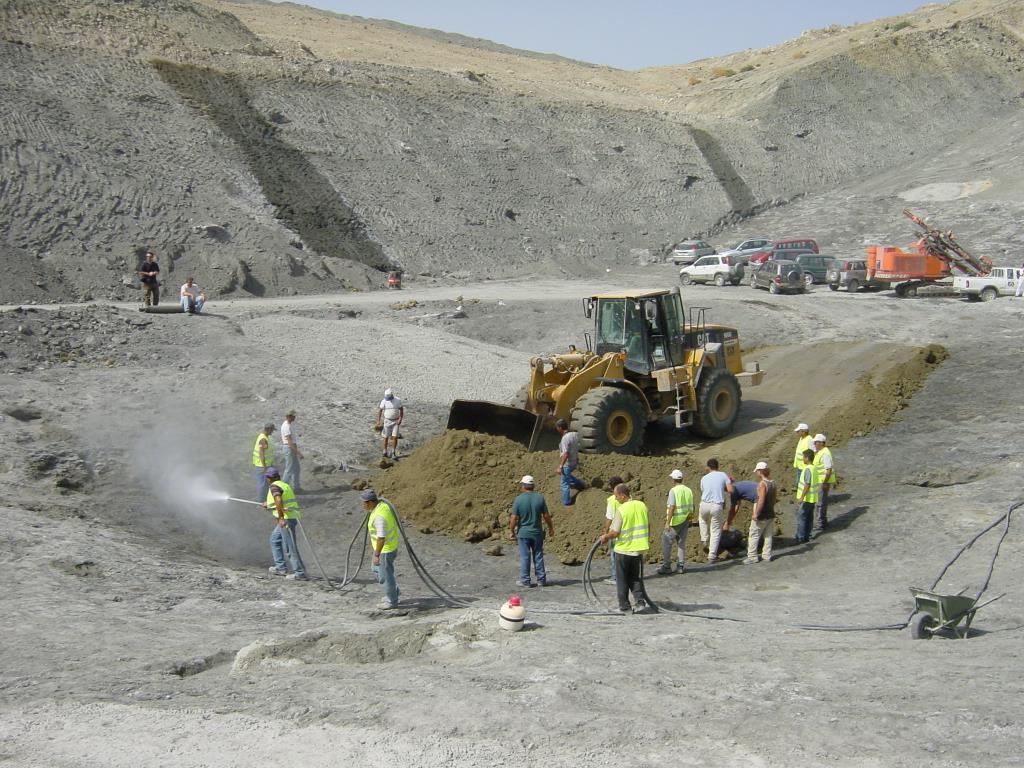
[744, 490]
[715, 488]
[528, 510]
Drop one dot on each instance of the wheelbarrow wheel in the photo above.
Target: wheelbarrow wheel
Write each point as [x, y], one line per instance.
[921, 626]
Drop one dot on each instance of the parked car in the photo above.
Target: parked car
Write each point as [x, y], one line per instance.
[689, 251]
[793, 247]
[851, 274]
[742, 251]
[778, 277]
[1001, 281]
[718, 269]
[815, 267]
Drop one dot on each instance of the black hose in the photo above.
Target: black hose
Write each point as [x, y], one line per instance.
[1003, 518]
[345, 581]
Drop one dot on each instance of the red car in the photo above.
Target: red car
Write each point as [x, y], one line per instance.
[784, 249]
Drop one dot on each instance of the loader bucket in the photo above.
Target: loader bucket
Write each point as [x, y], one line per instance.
[516, 424]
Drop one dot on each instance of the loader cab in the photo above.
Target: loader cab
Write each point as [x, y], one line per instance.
[647, 328]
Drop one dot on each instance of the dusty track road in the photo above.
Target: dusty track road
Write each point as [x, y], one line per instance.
[131, 599]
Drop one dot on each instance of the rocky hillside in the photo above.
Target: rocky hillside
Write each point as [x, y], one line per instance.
[272, 149]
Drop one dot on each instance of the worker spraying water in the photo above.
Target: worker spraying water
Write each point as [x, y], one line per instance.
[283, 541]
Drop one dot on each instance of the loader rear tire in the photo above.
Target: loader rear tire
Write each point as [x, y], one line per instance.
[718, 404]
[610, 420]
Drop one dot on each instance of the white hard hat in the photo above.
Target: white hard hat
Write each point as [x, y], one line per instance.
[677, 474]
[388, 392]
[527, 480]
[801, 427]
[761, 465]
[819, 438]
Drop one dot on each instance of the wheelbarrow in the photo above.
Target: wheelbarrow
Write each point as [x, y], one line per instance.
[935, 612]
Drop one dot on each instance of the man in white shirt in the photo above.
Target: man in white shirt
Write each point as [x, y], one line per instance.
[715, 488]
[390, 413]
[292, 453]
[192, 299]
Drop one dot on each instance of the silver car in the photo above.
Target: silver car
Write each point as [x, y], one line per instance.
[742, 251]
[851, 274]
[689, 251]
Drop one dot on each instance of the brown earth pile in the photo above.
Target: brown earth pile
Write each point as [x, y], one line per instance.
[463, 483]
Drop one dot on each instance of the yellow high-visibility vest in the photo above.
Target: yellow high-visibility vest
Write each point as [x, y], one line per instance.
[634, 536]
[383, 510]
[288, 501]
[682, 498]
[805, 443]
[819, 459]
[268, 453]
[815, 478]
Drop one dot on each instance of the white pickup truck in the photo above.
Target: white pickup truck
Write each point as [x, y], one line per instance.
[1002, 281]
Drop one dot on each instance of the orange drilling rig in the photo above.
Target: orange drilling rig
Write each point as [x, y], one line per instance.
[929, 264]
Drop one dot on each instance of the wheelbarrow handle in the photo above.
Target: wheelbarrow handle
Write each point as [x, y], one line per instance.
[987, 602]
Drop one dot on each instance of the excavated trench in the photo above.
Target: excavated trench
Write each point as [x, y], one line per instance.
[462, 483]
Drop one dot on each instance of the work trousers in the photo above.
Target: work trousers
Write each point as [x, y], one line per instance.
[569, 483]
[531, 548]
[282, 542]
[674, 535]
[710, 521]
[821, 509]
[291, 469]
[151, 294]
[757, 528]
[385, 574]
[262, 484]
[804, 515]
[630, 569]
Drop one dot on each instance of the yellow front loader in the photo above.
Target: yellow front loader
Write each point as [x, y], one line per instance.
[643, 362]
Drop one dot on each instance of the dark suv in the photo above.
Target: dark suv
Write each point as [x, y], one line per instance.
[815, 267]
[778, 276]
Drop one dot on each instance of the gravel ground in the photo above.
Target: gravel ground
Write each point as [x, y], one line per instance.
[105, 509]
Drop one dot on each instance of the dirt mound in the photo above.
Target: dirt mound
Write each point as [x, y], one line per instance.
[463, 483]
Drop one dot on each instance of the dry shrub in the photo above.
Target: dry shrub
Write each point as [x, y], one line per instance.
[722, 72]
[800, 55]
[694, 80]
[747, 68]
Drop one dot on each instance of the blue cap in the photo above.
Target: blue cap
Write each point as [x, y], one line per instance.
[271, 472]
[368, 495]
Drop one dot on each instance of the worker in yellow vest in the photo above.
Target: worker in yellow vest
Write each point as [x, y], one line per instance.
[263, 459]
[826, 473]
[282, 502]
[807, 491]
[678, 513]
[610, 505]
[630, 529]
[382, 525]
[803, 442]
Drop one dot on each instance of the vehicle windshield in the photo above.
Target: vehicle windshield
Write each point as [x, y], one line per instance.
[621, 328]
[611, 322]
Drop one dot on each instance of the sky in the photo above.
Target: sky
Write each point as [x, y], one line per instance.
[626, 34]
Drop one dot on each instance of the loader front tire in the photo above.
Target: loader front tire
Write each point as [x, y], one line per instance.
[718, 403]
[610, 420]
